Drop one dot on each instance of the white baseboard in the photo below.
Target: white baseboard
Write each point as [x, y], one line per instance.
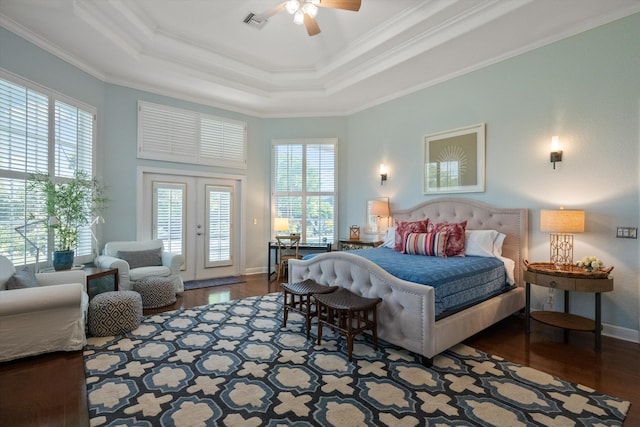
[620, 333]
[255, 270]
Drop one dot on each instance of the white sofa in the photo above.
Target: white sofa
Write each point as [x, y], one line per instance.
[168, 264]
[46, 318]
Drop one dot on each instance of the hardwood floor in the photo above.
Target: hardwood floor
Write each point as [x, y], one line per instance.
[49, 390]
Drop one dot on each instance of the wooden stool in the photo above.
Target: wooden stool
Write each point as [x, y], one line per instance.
[297, 297]
[348, 314]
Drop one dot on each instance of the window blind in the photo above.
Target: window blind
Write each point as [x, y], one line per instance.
[304, 187]
[176, 135]
[27, 146]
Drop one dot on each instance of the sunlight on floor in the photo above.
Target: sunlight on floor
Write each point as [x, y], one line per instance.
[216, 297]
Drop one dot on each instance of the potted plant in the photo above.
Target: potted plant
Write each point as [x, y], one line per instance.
[69, 206]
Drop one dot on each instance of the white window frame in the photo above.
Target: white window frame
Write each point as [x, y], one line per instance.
[16, 247]
[304, 193]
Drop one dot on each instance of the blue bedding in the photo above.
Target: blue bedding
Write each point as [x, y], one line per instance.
[458, 281]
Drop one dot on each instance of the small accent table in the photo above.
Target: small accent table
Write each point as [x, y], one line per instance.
[568, 280]
[351, 244]
[98, 272]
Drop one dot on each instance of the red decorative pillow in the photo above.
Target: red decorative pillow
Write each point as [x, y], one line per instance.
[455, 239]
[429, 244]
[403, 227]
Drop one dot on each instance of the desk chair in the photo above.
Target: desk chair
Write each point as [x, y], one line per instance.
[288, 247]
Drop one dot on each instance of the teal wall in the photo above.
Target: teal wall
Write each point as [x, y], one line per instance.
[584, 89]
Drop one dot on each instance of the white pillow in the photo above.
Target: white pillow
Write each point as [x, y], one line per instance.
[487, 243]
[390, 238]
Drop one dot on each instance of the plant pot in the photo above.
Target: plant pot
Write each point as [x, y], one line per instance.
[63, 260]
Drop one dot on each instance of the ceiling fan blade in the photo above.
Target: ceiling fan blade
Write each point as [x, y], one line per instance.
[353, 5]
[312, 25]
[269, 13]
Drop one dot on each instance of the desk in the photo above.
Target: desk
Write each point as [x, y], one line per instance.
[93, 273]
[568, 283]
[303, 247]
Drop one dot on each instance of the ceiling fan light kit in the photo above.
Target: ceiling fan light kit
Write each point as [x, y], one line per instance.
[303, 11]
[300, 9]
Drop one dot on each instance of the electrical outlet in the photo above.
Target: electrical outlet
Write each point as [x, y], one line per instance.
[627, 233]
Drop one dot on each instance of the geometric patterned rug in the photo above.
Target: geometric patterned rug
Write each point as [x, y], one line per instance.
[232, 364]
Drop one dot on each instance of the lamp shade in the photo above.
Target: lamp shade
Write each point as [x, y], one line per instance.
[562, 221]
[281, 224]
[379, 208]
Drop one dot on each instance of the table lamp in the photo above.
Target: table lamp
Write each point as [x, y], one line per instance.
[379, 209]
[561, 223]
[281, 224]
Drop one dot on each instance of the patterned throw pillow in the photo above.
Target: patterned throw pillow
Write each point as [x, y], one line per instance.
[137, 259]
[403, 227]
[429, 244]
[455, 240]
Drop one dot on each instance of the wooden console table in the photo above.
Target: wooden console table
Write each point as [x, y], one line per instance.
[303, 248]
[568, 280]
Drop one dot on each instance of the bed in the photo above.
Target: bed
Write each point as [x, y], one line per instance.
[407, 314]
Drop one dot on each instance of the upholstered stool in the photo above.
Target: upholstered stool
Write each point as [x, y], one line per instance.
[297, 297]
[114, 313]
[155, 291]
[349, 314]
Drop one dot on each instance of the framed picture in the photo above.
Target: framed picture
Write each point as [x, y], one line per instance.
[454, 161]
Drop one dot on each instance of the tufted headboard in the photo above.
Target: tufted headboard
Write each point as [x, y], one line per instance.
[480, 216]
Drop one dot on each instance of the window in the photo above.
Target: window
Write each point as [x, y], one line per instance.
[183, 136]
[304, 187]
[40, 132]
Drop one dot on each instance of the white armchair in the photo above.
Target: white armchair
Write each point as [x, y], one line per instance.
[45, 318]
[137, 260]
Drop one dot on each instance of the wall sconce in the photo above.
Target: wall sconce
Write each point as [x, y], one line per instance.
[383, 173]
[556, 153]
[560, 223]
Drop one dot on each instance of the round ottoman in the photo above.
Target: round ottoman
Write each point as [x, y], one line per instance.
[114, 313]
[155, 291]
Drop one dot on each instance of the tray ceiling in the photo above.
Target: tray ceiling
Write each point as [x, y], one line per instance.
[202, 51]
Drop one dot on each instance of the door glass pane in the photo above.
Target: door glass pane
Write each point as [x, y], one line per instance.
[169, 215]
[219, 202]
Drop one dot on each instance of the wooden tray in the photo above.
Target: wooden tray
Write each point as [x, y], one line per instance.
[567, 271]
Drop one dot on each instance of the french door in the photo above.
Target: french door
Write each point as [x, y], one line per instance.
[198, 217]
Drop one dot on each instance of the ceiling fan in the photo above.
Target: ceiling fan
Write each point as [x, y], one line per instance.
[304, 12]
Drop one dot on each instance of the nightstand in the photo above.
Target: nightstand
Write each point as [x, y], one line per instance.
[569, 280]
[351, 244]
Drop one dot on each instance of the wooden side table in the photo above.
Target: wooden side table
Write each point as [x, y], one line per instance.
[572, 280]
[351, 244]
[98, 272]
